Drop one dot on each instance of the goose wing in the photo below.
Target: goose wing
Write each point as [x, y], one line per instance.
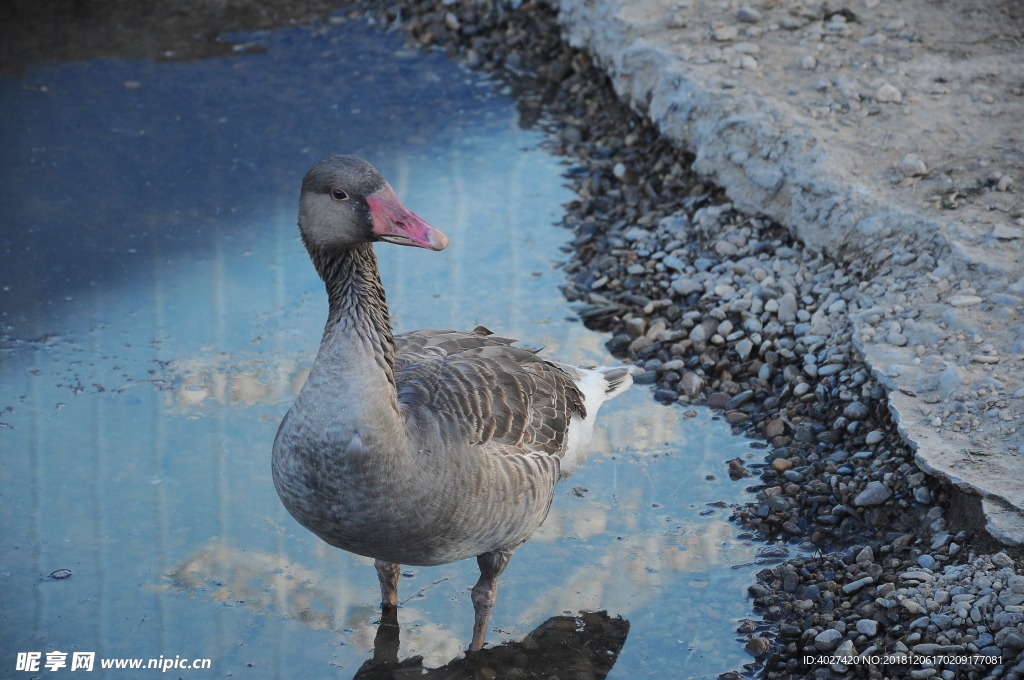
[483, 392]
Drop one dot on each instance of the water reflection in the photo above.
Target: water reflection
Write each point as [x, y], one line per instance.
[582, 647]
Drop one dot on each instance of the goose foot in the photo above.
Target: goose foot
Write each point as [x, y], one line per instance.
[387, 574]
[485, 592]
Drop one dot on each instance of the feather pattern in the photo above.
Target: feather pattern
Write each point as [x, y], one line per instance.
[500, 398]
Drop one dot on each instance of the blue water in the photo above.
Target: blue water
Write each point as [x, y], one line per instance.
[158, 316]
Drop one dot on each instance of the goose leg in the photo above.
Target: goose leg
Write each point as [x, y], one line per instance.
[485, 592]
[387, 574]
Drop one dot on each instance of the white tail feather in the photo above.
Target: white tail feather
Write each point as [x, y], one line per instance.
[598, 385]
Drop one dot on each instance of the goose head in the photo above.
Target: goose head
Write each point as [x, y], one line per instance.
[346, 202]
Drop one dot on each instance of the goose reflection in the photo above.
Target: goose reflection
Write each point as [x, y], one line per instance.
[583, 647]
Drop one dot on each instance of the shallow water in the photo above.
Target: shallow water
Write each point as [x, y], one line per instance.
[159, 314]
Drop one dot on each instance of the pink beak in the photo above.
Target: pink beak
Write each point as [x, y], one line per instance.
[394, 223]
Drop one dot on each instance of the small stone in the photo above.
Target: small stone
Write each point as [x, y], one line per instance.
[781, 464]
[876, 493]
[646, 378]
[926, 561]
[725, 33]
[827, 640]
[809, 62]
[888, 93]
[793, 476]
[867, 627]
[775, 428]
[912, 165]
[787, 308]
[748, 15]
[1005, 232]
[726, 249]
[747, 48]
[758, 646]
[874, 437]
[718, 400]
[1013, 641]
[748, 62]
[1001, 560]
[856, 410]
[691, 384]
[744, 347]
[922, 495]
[846, 649]
[685, 286]
[896, 339]
[640, 343]
[636, 326]
[964, 300]
[60, 574]
[865, 555]
[739, 400]
[857, 585]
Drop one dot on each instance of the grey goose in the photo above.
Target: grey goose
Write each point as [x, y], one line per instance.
[427, 447]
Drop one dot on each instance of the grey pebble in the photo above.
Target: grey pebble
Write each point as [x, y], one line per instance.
[856, 410]
[787, 308]
[827, 640]
[748, 15]
[876, 493]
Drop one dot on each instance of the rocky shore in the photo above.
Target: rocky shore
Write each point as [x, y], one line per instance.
[718, 307]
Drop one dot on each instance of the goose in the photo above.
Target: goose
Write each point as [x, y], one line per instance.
[427, 447]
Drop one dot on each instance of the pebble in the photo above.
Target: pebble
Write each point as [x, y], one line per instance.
[857, 585]
[876, 493]
[725, 33]
[787, 308]
[856, 410]
[888, 93]
[867, 627]
[911, 164]
[748, 15]
[964, 300]
[827, 640]
[1004, 231]
[691, 384]
[809, 62]
[758, 645]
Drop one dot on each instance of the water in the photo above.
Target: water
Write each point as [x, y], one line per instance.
[159, 314]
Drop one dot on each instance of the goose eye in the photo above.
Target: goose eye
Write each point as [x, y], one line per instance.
[338, 194]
